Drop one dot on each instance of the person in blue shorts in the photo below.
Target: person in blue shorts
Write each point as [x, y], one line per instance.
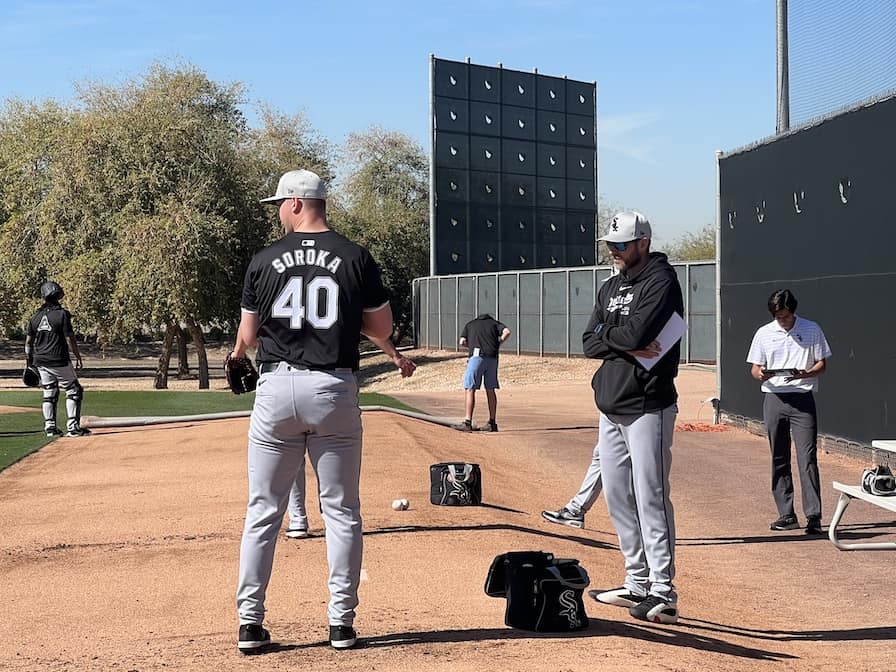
[483, 337]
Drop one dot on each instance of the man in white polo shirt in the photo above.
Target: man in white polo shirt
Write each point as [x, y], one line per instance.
[788, 354]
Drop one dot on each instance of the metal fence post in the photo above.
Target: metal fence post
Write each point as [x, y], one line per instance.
[568, 313]
[541, 313]
[456, 311]
[476, 296]
[783, 68]
[519, 310]
[687, 310]
[432, 166]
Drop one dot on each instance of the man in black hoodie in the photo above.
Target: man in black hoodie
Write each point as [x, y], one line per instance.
[637, 415]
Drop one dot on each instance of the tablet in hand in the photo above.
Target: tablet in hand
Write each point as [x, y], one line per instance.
[781, 372]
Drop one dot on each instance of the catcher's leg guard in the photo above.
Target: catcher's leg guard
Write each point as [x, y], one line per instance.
[51, 396]
[73, 396]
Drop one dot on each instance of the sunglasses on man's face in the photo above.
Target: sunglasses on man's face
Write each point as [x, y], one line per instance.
[619, 247]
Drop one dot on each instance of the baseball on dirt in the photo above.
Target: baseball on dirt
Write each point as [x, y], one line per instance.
[400, 504]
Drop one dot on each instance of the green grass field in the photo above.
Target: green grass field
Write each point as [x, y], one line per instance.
[22, 433]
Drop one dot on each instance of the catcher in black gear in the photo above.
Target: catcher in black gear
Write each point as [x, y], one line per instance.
[240, 373]
[51, 348]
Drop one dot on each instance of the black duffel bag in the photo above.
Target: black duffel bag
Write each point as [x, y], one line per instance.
[544, 593]
[455, 484]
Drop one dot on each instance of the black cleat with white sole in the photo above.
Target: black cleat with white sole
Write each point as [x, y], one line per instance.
[343, 636]
[618, 597]
[253, 638]
[655, 610]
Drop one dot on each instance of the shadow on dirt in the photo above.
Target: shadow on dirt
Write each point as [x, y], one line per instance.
[584, 541]
[669, 636]
[857, 634]
[845, 532]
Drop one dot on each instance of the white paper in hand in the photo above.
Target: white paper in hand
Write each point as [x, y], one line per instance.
[668, 336]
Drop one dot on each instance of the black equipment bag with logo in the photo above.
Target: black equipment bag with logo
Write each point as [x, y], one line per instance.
[879, 481]
[544, 593]
[455, 484]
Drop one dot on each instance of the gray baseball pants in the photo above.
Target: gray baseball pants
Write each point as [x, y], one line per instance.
[783, 414]
[636, 458]
[298, 412]
[51, 379]
[591, 486]
[298, 514]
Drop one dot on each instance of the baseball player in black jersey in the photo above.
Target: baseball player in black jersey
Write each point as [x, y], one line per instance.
[307, 298]
[45, 347]
[637, 415]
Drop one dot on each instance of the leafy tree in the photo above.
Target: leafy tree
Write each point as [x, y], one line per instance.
[385, 207]
[699, 246]
[170, 163]
[29, 135]
[141, 201]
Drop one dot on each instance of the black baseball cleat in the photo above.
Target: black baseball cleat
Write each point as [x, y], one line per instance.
[53, 431]
[253, 638]
[656, 610]
[563, 516]
[788, 522]
[618, 597]
[492, 426]
[465, 426]
[343, 636]
[78, 431]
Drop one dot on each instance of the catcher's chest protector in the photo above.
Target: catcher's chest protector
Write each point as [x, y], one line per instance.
[544, 594]
[455, 484]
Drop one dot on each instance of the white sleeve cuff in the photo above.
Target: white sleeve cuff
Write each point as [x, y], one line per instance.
[373, 310]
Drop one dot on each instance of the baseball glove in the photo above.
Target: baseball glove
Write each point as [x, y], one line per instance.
[30, 376]
[240, 373]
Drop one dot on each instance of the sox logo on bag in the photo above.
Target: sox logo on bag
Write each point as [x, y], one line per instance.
[459, 489]
[571, 610]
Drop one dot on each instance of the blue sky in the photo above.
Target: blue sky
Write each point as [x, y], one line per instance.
[676, 79]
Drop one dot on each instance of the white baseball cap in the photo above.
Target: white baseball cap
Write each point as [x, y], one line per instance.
[627, 226]
[298, 184]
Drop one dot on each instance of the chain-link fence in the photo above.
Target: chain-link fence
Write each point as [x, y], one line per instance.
[841, 54]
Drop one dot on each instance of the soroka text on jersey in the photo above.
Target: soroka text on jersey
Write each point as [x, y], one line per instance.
[306, 257]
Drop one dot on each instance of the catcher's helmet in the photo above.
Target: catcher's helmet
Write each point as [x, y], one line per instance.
[50, 291]
[31, 377]
[879, 481]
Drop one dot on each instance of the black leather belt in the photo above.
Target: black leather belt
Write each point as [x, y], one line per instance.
[268, 367]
